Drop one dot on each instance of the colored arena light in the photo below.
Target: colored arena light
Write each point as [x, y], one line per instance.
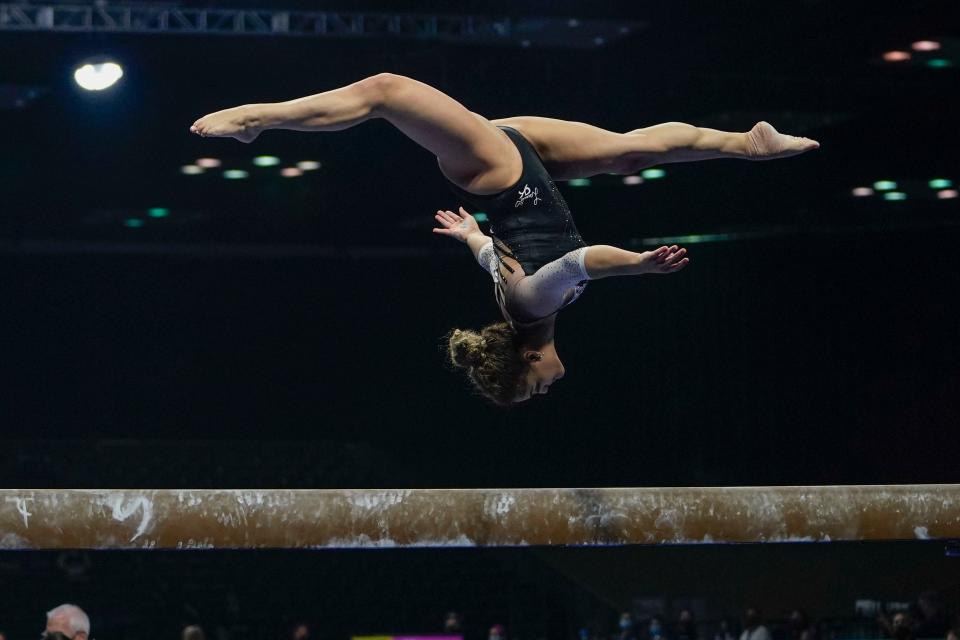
[947, 194]
[191, 169]
[158, 212]
[480, 216]
[939, 63]
[925, 45]
[133, 223]
[896, 56]
[235, 174]
[208, 163]
[653, 174]
[884, 185]
[579, 182]
[631, 180]
[895, 195]
[861, 192]
[266, 161]
[940, 183]
[308, 165]
[290, 172]
[98, 76]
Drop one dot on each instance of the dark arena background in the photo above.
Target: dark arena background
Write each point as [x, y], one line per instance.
[181, 312]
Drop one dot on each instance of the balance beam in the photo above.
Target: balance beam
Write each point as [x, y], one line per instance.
[361, 518]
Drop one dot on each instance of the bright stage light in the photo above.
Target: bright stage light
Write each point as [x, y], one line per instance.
[208, 163]
[895, 195]
[861, 192]
[947, 194]
[191, 169]
[235, 174]
[308, 165]
[896, 56]
[98, 76]
[290, 172]
[925, 45]
[266, 161]
[884, 185]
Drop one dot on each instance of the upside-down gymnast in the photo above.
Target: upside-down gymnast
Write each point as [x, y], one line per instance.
[507, 167]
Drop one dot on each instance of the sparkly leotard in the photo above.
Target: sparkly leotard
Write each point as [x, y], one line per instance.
[531, 223]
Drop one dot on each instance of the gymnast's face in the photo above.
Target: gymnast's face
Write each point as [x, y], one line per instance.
[543, 369]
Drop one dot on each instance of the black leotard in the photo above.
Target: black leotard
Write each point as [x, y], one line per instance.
[529, 221]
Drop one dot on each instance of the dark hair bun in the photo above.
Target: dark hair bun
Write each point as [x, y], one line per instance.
[467, 348]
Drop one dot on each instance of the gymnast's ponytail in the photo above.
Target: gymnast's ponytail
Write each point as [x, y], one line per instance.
[491, 359]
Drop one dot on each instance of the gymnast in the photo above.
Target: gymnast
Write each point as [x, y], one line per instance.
[507, 167]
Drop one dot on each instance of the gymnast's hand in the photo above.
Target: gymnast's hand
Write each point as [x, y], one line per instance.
[460, 226]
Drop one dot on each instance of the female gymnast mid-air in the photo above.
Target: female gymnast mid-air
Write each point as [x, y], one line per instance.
[507, 167]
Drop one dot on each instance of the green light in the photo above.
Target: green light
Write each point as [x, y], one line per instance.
[579, 182]
[940, 183]
[266, 161]
[939, 63]
[235, 174]
[480, 216]
[653, 174]
[884, 185]
[133, 222]
[894, 195]
[158, 212]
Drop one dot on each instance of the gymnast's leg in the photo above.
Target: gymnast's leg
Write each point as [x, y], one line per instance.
[575, 149]
[471, 151]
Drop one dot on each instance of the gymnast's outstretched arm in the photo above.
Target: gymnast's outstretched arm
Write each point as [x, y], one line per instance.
[471, 151]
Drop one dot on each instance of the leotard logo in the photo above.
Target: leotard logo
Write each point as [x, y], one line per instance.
[528, 193]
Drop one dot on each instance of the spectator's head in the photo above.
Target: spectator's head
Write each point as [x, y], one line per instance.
[626, 621]
[497, 632]
[902, 625]
[751, 618]
[452, 622]
[930, 604]
[193, 632]
[798, 620]
[300, 632]
[656, 627]
[67, 621]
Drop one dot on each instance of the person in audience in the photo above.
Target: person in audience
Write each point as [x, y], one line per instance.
[724, 630]
[900, 627]
[452, 623]
[300, 632]
[686, 626]
[931, 620]
[193, 632]
[753, 628]
[655, 630]
[798, 626]
[625, 626]
[67, 622]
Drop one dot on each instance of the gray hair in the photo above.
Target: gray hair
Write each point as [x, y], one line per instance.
[76, 620]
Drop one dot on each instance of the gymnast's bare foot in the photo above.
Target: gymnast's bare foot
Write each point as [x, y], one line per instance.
[766, 143]
[238, 122]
